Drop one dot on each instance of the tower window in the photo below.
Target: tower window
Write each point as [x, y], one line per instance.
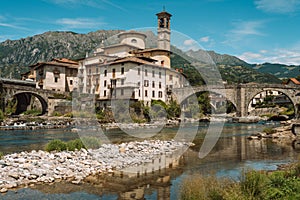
[133, 41]
[122, 70]
[161, 23]
[55, 79]
[105, 72]
[71, 82]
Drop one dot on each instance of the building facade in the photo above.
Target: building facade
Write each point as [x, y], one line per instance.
[128, 70]
[56, 75]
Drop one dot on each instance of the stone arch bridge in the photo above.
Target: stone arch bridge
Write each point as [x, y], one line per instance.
[241, 95]
[23, 91]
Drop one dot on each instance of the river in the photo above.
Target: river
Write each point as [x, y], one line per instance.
[232, 154]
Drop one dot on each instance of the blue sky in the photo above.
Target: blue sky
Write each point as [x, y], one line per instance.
[256, 31]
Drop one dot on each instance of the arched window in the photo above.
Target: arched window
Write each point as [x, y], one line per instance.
[133, 41]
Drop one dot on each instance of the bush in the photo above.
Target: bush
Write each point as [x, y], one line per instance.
[75, 144]
[269, 130]
[253, 184]
[91, 142]
[1, 155]
[56, 145]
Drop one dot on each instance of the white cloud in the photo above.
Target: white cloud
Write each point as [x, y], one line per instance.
[247, 28]
[188, 44]
[91, 3]
[278, 6]
[243, 31]
[205, 39]
[283, 56]
[80, 23]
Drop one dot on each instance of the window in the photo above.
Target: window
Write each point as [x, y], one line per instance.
[104, 93]
[139, 93]
[146, 72]
[71, 82]
[159, 74]
[122, 81]
[90, 71]
[133, 41]
[146, 93]
[139, 71]
[105, 83]
[153, 84]
[160, 94]
[97, 81]
[146, 83]
[122, 92]
[55, 79]
[105, 72]
[162, 62]
[159, 85]
[122, 70]
[153, 94]
[90, 82]
[139, 84]
[170, 77]
[153, 73]
[113, 73]
[97, 70]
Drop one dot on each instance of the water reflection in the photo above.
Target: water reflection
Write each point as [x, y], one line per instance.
[232, 154]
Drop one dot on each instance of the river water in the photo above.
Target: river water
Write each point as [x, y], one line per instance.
[232, 154]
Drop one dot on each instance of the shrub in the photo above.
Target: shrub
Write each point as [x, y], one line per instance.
[91, 142]
[253, 184]
[56, 145]
[75, 144]
[1, 155]
[269, 130]
[199, 187]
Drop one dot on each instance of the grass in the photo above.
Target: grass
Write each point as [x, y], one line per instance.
[253, 185]
[72, 145]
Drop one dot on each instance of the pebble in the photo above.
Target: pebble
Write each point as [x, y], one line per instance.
[40, 166]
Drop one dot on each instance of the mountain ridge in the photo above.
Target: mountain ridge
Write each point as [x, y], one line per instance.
[16, 55]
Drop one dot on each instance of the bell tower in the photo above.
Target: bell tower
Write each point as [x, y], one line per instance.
[163, 30]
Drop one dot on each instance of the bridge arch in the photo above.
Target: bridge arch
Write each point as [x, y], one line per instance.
[285, 92]
[220, 93]
[24, 99]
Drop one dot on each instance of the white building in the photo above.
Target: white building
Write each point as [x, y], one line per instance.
[128, 70]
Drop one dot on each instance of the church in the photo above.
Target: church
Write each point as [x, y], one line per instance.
[129, 70]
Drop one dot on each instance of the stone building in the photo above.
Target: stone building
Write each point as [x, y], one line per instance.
[129, 70]
[56, 75]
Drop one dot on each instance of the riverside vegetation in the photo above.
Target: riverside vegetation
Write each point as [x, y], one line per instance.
[255, 185]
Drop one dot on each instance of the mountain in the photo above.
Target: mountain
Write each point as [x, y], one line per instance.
[16, 55]
[231, 68]
[279, 70]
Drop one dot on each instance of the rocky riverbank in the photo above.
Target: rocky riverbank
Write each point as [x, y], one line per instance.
[281, 135]
[40, 167]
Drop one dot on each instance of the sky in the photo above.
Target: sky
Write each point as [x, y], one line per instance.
[256, 31]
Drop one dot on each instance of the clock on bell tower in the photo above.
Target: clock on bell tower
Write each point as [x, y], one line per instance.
[163, 30]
